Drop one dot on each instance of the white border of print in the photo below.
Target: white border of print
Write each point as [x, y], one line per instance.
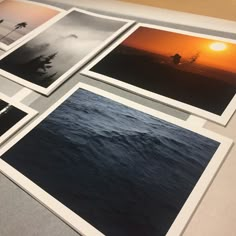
[74, 220]
[5, 47]
[221, 119]
[30, 113]
[67, 74]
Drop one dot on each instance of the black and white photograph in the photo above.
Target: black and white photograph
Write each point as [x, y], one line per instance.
[13, 116]
[116, 164]
[182, 69]
[48, 59]
[17, 21]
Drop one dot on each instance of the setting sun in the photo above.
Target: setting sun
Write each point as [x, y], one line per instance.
[218, 46]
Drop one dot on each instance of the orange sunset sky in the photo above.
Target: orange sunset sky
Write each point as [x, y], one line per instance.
[33, 14]
[168, 43]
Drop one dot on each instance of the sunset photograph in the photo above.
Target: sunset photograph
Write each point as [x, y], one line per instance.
[196, 71]
[18, 18]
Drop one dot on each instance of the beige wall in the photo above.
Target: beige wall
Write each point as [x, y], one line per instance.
[225, 9]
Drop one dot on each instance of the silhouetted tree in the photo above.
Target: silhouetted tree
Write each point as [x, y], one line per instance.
[16, 27]
[48, 61]
[176, 59]
[52, 56]
[21, 25]
[38, 68]
[194, 58]
[33, 65]
[40, 64]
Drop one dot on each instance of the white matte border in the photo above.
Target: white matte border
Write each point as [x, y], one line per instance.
[47, 91]
[223, 119]
[6, 47]
[30, 113]
[74, 220]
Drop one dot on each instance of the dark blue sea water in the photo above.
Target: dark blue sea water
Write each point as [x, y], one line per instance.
[125, 172]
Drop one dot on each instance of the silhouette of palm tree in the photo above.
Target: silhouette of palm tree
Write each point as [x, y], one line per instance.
[21, 25]
[16, 27]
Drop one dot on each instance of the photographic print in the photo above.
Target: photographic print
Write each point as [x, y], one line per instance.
[19, 19]
[115, 164]
[45, 61]
[190, 71]
[13, 116]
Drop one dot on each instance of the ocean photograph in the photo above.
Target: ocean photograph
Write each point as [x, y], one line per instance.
[17, 20]
[123, 171]
[196, 71]
[53, 52]
[9, 116]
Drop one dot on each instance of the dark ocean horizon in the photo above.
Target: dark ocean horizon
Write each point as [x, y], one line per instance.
[125, 172]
